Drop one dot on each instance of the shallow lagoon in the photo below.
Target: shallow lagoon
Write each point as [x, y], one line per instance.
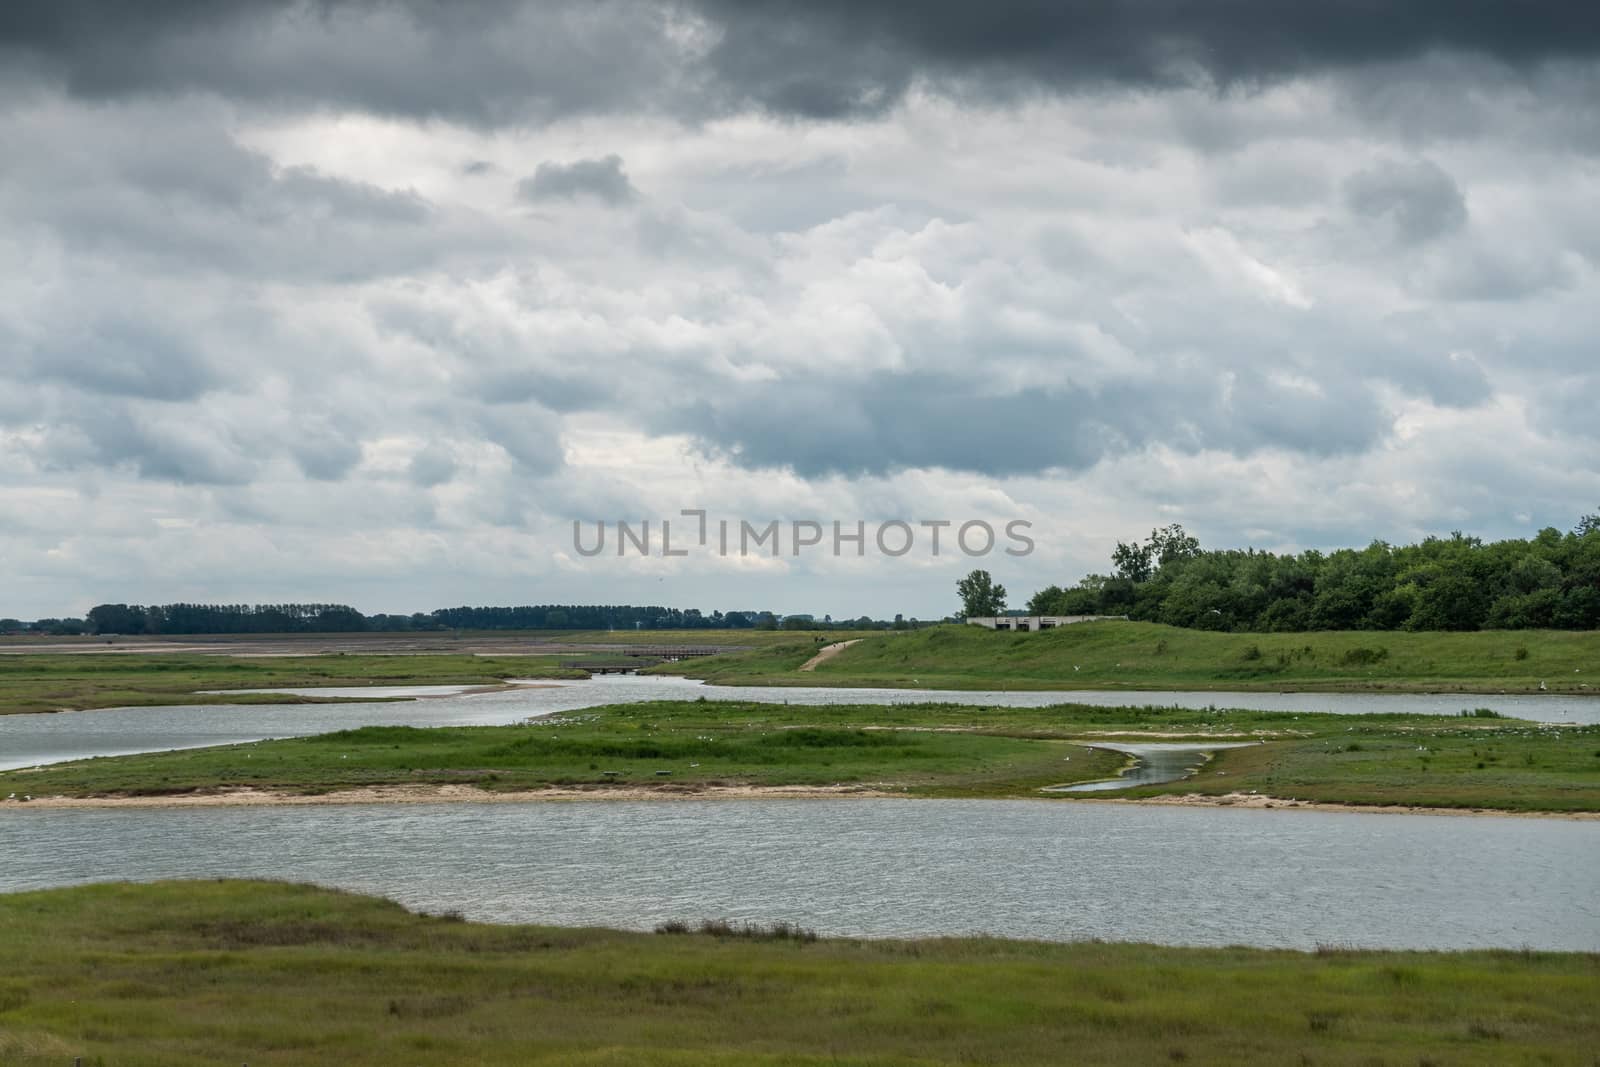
[26, 740]
[882, 868]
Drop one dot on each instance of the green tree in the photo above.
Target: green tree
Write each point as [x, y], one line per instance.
[1172, 543]
[1132, 562]
[1450, 602]
[980, 596]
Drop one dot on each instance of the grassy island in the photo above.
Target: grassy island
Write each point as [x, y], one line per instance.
[918, 750]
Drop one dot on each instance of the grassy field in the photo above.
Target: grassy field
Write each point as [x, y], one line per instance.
[46, 682]
[1131, 655]
[1114, 655]
[204, 973]
[926, 750]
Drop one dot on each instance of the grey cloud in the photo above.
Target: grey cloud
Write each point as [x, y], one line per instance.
[507, 60]
[891, 422]
[433, 466]
[496, 61]
[526, 433]
[1480, 272]
[169, 188]
[186, 451]
[122, 356]
[495, 366]
[1573, 405]
[603, 179]
[324, 450]
[1417, 199]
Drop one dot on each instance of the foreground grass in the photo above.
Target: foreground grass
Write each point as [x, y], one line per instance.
[204, 973]
[1131, 655]
[929, 750]
[45, 682]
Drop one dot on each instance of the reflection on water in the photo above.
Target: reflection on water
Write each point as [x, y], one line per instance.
[373, 692]
[26, 740]
[1036, 869]
[1153, 764]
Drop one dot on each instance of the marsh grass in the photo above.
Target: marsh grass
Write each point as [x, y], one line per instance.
[146, 975]
[779, 931]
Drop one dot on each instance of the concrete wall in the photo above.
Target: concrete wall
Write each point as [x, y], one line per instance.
[1035, 623]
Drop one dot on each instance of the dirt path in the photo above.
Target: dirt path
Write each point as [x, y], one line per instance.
[826, 654]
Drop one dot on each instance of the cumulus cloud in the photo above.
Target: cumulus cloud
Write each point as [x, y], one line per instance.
[1280, 272]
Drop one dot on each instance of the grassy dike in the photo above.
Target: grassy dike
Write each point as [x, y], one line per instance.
[185, 974]
[1134, 655]
[54, 682]
[920, 750]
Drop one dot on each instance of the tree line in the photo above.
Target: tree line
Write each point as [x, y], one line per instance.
[136, 619]
[341, 618]
[1548, 581]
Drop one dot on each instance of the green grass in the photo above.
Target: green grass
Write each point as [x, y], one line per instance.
[750, 638]
[1130, 655]
[204, 973]
[666, 745]
[926, 750]
[1510, 765]
[46, 682]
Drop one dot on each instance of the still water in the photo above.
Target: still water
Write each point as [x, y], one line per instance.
[26, 740]
[882, 868]
[1154, 763]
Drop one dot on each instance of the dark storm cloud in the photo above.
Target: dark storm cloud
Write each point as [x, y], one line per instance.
[505, 60]
[603, 179]
[831, 57]
[482, 62]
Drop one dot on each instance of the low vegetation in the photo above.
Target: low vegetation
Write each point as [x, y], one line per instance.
[56, 682]
[920, 750]
[202, 973]
[1135, 655]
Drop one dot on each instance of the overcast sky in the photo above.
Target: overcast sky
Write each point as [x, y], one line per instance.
[367, 301]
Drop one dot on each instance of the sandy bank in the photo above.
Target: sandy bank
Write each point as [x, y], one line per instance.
[466, 794]
[444, 794]
[1258, 801]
